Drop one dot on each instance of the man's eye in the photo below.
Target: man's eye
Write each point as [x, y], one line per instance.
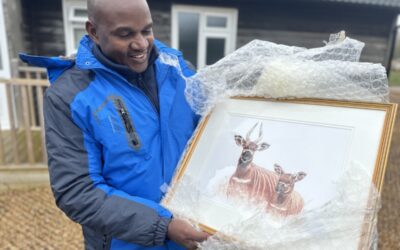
[124, 34]
[147, 32]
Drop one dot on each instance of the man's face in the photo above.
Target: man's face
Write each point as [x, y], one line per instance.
[123, 31]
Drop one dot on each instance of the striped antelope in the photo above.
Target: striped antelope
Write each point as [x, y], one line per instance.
[285, 200]
[250, 181]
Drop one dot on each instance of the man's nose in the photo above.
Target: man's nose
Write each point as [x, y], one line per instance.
[139, 43]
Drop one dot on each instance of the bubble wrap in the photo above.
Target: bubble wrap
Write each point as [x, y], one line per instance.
[265, 69]
[332, 225]
[270, 70]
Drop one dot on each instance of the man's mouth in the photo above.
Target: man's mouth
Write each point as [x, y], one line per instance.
[139, 57]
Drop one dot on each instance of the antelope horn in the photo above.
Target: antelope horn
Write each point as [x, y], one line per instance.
[251, 131]
[260, 135]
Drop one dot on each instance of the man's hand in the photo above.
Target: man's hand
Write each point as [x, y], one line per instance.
[184, 234]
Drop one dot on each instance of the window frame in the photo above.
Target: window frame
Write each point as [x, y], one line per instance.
[203, 45]
[74, 18]
[4, 56]
[5, 71]
[229, 33]
[72, 22]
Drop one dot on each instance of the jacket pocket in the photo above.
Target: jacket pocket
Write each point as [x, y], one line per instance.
[131, 134]
[115, 123]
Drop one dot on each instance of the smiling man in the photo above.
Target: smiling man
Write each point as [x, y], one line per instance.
[116, 123]
[125, 37]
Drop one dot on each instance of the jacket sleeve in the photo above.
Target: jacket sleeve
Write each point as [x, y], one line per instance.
[80, 190]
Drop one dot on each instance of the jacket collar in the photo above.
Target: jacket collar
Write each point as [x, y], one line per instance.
[89, 56]
[122, 69]
[86, 60]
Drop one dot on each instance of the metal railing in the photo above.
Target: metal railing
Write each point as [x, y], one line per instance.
[22, 143]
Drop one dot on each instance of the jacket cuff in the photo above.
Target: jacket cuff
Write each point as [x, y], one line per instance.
[161, 231]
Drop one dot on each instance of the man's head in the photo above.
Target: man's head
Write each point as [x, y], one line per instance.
[123, 31]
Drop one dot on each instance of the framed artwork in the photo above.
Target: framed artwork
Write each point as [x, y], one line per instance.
[286, 159]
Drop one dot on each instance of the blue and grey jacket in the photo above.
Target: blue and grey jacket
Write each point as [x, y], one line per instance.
[110, 152]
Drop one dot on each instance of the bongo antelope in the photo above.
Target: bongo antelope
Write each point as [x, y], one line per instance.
[274, 188]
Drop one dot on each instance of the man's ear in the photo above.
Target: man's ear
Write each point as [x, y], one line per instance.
[91, 30]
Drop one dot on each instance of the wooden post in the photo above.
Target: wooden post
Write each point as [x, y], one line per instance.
[2, 159]
[39, 94]
[13, 132]
[31, 102]
[28, 132]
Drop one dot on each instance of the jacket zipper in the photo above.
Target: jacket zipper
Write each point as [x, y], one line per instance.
[162, 140]
[132, 134]
[159, 120]
[140, 78]
[105, 241]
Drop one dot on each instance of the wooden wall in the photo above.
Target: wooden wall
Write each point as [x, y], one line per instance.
[309, 24]
[296, 23]
[293, 23]
[43, 27]
[161, 14]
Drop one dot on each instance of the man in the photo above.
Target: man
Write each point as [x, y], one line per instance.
[116, 124]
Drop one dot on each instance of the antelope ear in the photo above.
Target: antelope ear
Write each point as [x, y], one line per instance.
[278, 169]
[240, 141]
[300, 176]
[263, 146]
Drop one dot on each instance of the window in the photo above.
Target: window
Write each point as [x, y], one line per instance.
[1, 57]
[203, 34]
[4, 60]
[75, 16]
[4, 71]
[394, 79]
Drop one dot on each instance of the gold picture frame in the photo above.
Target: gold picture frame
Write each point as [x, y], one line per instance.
[316, 132]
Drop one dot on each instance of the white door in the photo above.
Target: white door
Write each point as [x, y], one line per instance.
[4, 71]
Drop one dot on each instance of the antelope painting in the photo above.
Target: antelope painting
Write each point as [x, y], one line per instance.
[285, 200]
[275, 189]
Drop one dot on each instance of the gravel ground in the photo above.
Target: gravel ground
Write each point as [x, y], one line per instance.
[29, 218]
